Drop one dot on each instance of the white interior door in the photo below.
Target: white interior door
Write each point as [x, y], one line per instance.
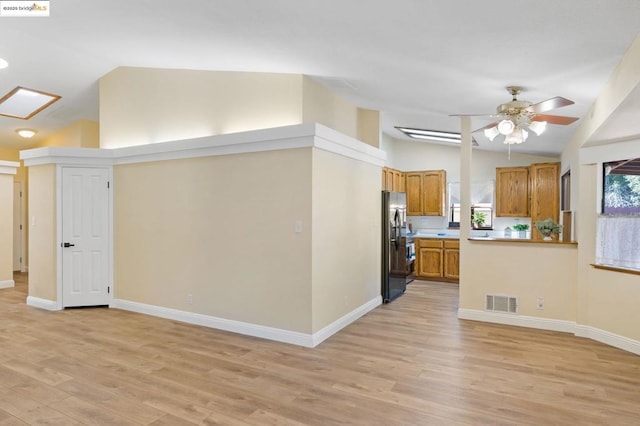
[85, 243]
[17, 226]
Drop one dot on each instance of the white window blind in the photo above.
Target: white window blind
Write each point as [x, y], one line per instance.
[618, 241]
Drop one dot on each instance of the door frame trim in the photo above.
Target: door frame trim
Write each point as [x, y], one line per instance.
[59, 262]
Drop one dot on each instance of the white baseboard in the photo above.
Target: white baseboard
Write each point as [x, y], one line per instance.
[593, 333]
[49, 305]
[24, 269]
[517, 320]
[7, 284]
[328, 331]
[255, 330]
[607, 338]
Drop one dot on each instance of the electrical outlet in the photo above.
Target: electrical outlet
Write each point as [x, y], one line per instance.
[540, 303]
[190, 299]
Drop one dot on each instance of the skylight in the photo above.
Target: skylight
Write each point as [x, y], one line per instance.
[25, 103]
[434, 135]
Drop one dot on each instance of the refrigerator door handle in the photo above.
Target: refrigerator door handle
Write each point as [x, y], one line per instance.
[396, 228]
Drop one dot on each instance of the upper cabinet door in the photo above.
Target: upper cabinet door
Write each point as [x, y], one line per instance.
[512, 191]
[433, 192]
[545, 194]
[413, 182]
[425, 193]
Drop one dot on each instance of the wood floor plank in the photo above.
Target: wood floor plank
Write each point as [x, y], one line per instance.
[410, 362]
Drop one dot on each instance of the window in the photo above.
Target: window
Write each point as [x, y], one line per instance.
[621, 191]
[481, 202]
[618, 228]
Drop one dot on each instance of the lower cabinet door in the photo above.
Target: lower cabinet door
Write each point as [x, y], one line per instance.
[452, 263]
[430, 263]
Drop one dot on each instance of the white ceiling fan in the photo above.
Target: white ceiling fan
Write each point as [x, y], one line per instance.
[515, 117]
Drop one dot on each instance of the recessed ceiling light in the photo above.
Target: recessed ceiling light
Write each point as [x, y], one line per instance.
[25, 103]
[26, 133]
[3, 63]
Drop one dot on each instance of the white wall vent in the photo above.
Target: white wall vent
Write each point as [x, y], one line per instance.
[501, 303]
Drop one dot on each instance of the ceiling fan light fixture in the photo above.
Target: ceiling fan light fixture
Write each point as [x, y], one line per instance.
[491, 133]
[518, 136]
[538, 127]
[506, 127]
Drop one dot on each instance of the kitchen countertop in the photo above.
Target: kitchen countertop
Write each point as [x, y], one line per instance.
[522, 240]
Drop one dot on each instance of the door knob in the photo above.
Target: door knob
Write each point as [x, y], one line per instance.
[68, 245]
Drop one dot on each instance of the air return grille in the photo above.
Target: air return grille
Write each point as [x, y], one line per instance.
[499, 303]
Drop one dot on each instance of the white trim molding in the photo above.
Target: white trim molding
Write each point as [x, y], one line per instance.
[255, 330]
[7, 284]
[331, 329]
[309, 135]
[608, 338]
[9, 167]
[48, 305]
[578, 330]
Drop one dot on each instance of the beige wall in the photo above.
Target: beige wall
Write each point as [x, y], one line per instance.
[526, 270]
[6, 227]
[42, 232]
[369, 127]
[82, 133]
[346, 236]
[221, 229]
[21, 175]
[141, 105]
[319, 105]
[606, 300]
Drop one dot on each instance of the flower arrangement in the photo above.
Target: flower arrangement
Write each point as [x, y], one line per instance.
[548, 228]
[520, 227]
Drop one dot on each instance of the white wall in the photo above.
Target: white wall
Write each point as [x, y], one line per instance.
[416, 155]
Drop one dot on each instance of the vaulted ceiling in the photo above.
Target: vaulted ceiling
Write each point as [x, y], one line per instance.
[417, 61]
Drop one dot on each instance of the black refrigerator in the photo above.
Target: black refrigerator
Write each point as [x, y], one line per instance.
[397, 248]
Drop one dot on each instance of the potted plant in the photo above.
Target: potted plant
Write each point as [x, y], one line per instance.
[478, 219]
[522, 229]
[548, 227]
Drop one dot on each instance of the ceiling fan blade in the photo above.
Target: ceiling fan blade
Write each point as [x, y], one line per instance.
[549, 104]
[488, 126]
[554, 119]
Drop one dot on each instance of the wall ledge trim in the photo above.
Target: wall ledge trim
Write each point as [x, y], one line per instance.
[48, 305]
[578, 330]
[310, 135]
[9, 167]
[255, 330]
[7, 284]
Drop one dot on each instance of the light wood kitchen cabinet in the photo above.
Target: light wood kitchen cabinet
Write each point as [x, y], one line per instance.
[429, 258]
[545, 194]
[393, 180]
[438, 260]
[512, 191]
[451, 259]
[426, 193]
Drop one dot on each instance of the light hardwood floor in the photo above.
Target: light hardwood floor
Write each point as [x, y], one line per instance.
[411, 362]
